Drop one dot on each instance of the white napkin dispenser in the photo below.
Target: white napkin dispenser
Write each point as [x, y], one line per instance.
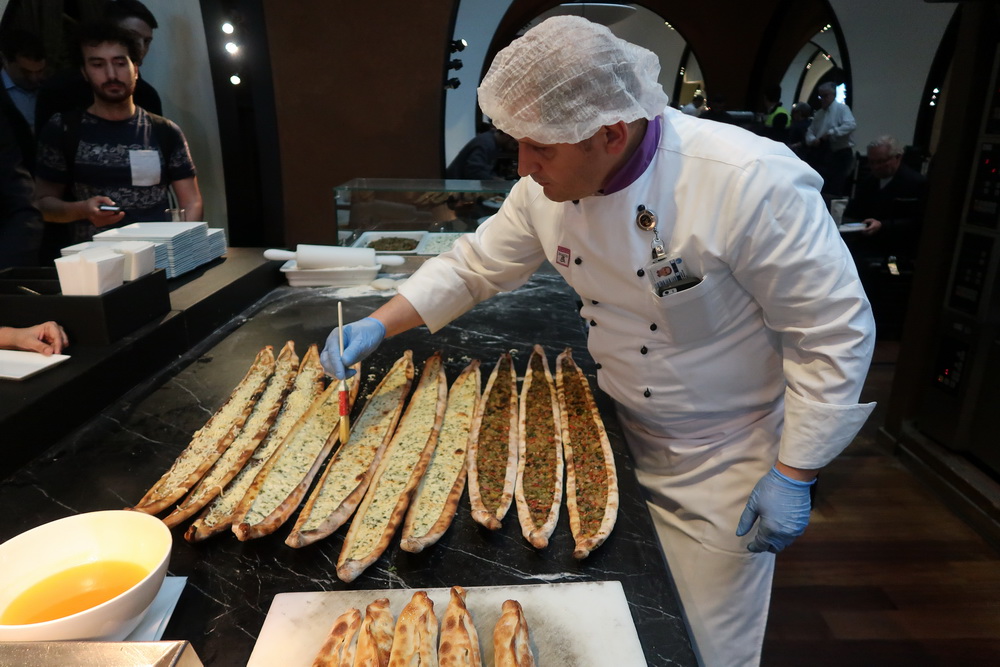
[90, 272]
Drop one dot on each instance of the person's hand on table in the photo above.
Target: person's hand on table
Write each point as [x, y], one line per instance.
[47, 338]
[782, 506]
[361, 338]
[871, 226]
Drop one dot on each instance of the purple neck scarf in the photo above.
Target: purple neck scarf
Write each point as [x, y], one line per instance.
[636, 164]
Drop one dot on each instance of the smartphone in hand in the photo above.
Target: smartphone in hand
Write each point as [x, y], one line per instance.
[109, 207]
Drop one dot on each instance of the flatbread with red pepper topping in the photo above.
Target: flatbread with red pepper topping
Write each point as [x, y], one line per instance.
[493, 446]
[538, 490]
[591, 478]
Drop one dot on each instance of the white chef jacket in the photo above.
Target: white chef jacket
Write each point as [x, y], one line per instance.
[779, 309]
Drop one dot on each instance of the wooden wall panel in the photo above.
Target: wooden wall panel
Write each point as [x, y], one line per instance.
[358, 91]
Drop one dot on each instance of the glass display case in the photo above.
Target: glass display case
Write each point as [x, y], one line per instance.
[414, 205]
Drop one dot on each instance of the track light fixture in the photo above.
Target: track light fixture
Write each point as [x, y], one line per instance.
[458, 45]
[452, 83]
[455, 64]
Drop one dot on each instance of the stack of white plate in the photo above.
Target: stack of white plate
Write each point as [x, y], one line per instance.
[187, 244]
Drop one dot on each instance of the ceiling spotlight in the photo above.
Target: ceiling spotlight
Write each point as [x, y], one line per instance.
[458, 45]
[455, 64]
[235, 80]
[228, 28]
[232, 47]
[452, 83]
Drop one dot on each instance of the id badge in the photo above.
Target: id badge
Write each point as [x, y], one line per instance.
[145, 166]
[664, 271]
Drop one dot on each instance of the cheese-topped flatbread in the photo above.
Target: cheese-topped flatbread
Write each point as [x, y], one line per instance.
[415, 638]
[339, 648]
[283, 481]
[398, 473]
[540, 457]
[264, 412]
[306, 388]
[459, 642]
[349, 471]
[511, 638]
[440, 489]
[493, 445]
[211, 440]
[591, 477]
[375, 637]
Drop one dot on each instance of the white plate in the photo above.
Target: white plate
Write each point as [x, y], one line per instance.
[340, 276]
[368, 237]
[852, 227]
[584, 624]
[18, 365]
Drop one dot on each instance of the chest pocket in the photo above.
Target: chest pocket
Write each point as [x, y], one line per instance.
[699, 312]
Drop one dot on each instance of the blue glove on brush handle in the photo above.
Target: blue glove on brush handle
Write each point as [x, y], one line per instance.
[782, 504]
[360, 339]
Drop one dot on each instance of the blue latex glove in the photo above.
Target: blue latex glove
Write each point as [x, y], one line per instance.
[783, 505]
[360, 339]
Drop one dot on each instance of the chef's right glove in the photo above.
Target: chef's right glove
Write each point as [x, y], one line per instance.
[782, 504]
[360, 339]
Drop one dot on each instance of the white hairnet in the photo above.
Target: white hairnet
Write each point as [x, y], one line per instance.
[567, 77]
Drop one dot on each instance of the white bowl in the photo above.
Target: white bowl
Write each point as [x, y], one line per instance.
[112, 535]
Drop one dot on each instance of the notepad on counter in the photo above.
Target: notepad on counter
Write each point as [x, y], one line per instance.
[19, 365]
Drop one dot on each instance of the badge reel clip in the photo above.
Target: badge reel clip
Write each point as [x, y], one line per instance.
[665, 271]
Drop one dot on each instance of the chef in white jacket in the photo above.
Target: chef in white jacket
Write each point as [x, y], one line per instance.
[725, 315]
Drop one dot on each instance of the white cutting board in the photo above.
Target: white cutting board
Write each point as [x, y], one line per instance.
[579, 624]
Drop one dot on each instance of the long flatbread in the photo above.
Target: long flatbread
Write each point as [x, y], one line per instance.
[375, 637]
[538, 491]
[436, 500]
[512, 638]
[415, 638]
[307, 387]
[397, 474]
[347, 475]
[211, 440]
[493, 445]
[265, 410]
[283, 481]
[458, 645]
[591, 477]
[340, 646]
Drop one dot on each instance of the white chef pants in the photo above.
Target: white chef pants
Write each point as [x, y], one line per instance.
[699, 477]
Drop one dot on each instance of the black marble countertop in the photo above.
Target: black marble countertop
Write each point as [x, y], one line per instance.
[115, 457]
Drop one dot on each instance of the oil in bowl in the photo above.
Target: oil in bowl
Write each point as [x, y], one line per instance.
[71, 591]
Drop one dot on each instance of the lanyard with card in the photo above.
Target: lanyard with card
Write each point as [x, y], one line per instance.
[665, 270]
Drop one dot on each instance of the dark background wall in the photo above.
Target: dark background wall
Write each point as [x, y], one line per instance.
[358, 93]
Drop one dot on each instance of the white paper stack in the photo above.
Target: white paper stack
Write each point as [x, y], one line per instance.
[187, 244]
[141, 257]
[216, 243]
[90, 272]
